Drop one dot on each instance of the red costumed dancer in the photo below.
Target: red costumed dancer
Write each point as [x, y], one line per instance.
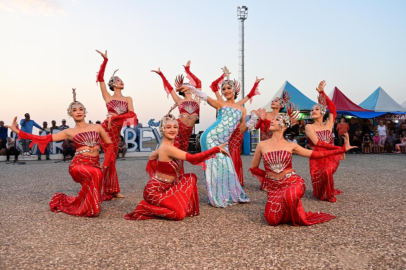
[266, 117]
[189, 107]
[321, 138]
[119, 109]
[170, 194]
[84, 168]
[285, 188]
[235, 142]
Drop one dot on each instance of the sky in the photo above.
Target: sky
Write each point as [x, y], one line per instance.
[48, 47]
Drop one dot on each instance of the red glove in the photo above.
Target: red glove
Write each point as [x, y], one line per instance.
[322, 154]
[42, 141]
[325, 145]
[215, 85]
[254, 91]
[263, 125]
[257, 172]
[193, 79]
[167, 86]
[100, 74]
[124, 116]
[198, 159]
[330, 105]
[109, 155]
[152, 165]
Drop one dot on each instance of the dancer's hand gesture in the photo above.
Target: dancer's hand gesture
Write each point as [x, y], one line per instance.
[224, 152]
[187, 64]
[262, 114]
[13, 126]
[103, 54]
[157, 71]
[347, 142]
[258, 80]
[320, 88]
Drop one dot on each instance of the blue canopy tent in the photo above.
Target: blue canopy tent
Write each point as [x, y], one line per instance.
[380, 101]
[298, 98]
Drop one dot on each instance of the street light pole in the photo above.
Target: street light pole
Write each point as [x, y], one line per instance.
[242, 15]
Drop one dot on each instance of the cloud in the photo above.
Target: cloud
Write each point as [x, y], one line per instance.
[36, 7]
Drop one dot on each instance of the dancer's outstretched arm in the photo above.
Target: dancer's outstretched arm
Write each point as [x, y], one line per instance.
[321, 154]
[192, 78]
[330, 104]
[175, 153]
[167, 86]
[254, 91]
[100, 77]
[212, 102]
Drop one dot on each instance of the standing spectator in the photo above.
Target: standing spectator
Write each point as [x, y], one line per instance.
[122, 148]
[3, 148]
[366, 127]
[381, 129]
[69, 149]
[366, 144]
[11, 149]
[3, 131]
[63, 126]
[353, 124]
[53, 127]
[342, 128]
[26, 125]
[357, 141]
[375, 143]
[390, 142]
[302, 127]
[47, 130]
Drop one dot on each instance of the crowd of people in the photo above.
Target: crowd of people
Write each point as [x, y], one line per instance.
[385, 137]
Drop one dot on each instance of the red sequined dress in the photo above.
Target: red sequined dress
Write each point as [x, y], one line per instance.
[86, 171]
[120, 108]
[322, 170]
[234, 146]
[171, 200]
[186, 109]
[284, 196]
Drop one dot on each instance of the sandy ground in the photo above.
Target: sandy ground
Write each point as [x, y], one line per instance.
[368, 233]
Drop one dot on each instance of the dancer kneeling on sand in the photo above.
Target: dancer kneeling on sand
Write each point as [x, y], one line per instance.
[285, 188]
[189, 107]
[84, 168]
[169, 194]
[321, 138]
[119, 109]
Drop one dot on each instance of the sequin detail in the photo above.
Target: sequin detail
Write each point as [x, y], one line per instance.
[189, 107]
[223, 186]
[88, 138]
[117, 106]
[278, 161]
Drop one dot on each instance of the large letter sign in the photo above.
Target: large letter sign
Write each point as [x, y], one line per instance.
[127, 133]
[145, 139]
[56, 145]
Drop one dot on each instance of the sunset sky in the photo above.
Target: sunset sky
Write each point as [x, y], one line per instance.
[48, 47]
